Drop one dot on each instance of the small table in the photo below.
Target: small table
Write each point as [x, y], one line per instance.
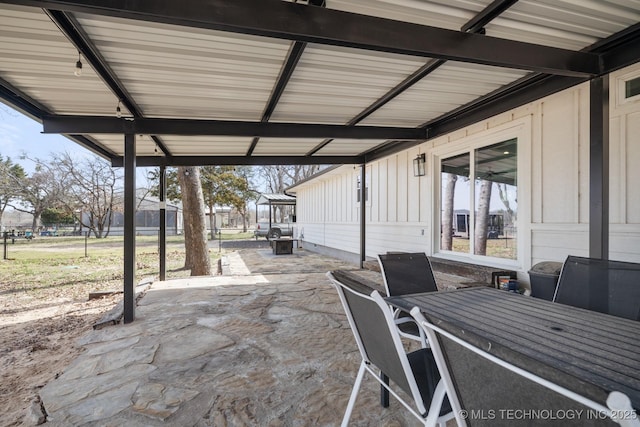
[589, 353]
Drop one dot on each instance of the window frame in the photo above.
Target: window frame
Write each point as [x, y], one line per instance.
[520, 130]
[626, 82]
[621, 88]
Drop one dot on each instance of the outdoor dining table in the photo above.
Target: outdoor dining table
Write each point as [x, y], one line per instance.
[586, 352]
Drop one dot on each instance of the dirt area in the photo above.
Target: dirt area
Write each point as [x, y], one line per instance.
[44, 309]
[37, 341]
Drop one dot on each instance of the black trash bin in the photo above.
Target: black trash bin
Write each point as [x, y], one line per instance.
[544, 278]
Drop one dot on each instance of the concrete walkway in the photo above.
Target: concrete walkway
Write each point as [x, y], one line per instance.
[266, 345]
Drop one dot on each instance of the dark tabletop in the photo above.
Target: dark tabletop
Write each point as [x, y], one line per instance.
[584, 351]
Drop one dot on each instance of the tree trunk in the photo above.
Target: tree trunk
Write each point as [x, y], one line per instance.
[502, 188]
[482, 217]
[110, 218]
[212, 222]
[447, 211]
[186, 229]
[195, 230]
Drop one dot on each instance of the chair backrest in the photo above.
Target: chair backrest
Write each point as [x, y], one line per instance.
[373, 327]
[484, 384]
[407, 273]
[611, 287]
[442, 363]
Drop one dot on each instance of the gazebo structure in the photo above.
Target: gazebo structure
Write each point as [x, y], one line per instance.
[260, 82]
[273, 200]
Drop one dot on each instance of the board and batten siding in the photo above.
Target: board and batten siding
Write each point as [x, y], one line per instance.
[553, 189]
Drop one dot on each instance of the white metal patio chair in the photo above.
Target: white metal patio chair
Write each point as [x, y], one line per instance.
[611, 287]
[407, 273]
[478, 397]
[380, 346]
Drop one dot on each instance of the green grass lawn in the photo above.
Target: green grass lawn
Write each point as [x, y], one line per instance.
[44, 306]
[499, 248]
[56, 267]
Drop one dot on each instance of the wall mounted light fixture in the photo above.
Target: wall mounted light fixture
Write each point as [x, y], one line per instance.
[118, 110]
[78, 70]
[418, 165]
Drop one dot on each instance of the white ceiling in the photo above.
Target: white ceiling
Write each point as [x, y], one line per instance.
[172, 71]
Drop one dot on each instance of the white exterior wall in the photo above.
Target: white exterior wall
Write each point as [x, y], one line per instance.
[553, 184]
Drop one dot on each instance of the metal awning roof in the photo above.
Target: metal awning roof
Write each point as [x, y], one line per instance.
[308, 82]
[276, 199]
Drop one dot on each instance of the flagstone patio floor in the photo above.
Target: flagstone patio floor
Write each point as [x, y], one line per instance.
[265, 344]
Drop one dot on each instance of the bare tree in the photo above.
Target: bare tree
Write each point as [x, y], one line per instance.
[37, 192]
[10, 175]
[447, 210]
[301, 172]
[482, 218]
[511, 215]
[278, 178]
[274, 178]
[195, 230]
[92, 186]
[143, 191]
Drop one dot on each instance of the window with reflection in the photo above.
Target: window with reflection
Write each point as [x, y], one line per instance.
[482, 219]
[632, 88]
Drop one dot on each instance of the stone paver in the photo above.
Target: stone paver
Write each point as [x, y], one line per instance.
[266, 346]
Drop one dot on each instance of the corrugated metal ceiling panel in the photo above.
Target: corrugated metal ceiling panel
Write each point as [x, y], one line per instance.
[450, 86]
[450, 14]
[145, 146]
[184, 72]
[345, 147]
[285, 147]
[570, 24]
[207, 145]
[334, 84]
[567, 24]
[40, 61]
[174, 71]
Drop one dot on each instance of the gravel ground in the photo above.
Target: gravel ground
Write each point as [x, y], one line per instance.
[241, 244]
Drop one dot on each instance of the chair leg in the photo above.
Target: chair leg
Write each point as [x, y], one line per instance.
[354, 395]
[384, 393]
[436, 403]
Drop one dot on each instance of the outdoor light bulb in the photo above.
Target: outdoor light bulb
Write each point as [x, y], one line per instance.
[118, 112]
[78, 71]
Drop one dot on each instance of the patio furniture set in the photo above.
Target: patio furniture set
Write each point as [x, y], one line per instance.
[491, 357]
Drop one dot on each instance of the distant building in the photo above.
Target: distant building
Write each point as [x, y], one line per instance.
[15, 220]
[148, 217]
[461, 217]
